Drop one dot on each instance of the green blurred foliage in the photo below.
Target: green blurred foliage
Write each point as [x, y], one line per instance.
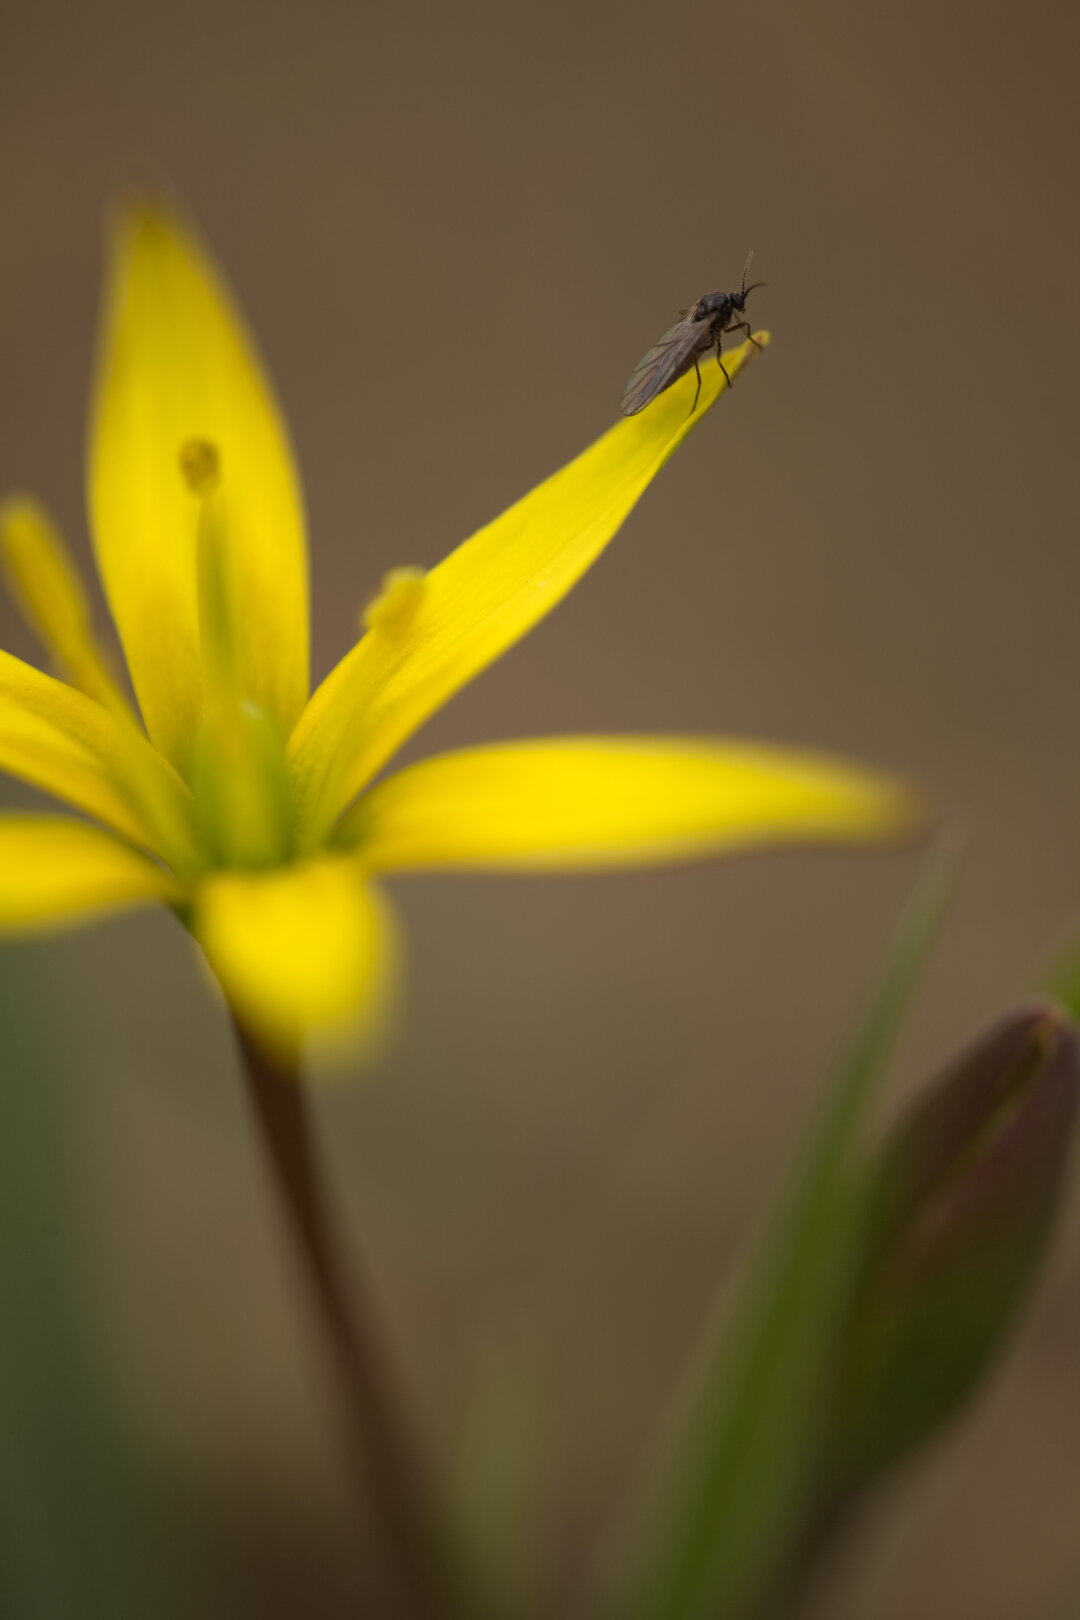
[732, 1501]
[82, 1533]
[885, 1289]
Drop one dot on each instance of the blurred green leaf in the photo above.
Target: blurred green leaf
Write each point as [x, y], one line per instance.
[494, 1485]
[963, 1196]
[1059, 979]
[80, 1536]
[732, 1499]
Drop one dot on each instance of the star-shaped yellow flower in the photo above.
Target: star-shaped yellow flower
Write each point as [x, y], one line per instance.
[250, 806]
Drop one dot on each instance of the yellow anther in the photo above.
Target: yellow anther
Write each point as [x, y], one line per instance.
[398, 602]
[200, 463]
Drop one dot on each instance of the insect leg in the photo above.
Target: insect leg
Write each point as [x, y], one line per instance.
[697, 390]
[743, 326]
[720, 363]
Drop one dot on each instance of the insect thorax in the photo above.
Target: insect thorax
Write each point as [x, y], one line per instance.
[711, 306]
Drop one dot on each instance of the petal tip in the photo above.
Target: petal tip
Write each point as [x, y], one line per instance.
[16, 508]
[142, 217]
[906, 813]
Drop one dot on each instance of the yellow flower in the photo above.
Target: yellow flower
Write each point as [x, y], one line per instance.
[248, 805]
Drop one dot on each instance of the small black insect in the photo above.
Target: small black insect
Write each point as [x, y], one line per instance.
[683, 345]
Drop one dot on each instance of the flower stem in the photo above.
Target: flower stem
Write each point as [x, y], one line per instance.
[381, 1446]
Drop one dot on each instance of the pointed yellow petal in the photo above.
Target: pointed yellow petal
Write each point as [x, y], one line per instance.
[57, 739]
[606, 801]
[44, 582]
[485, 596]
[306, 950]
[55, 872]
[176, 366]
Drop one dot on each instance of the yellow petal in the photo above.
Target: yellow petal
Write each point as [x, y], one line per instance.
[605, 801]
[55, 872]
[176, 366]
[57, 739]
[481, 599]
[306, 950]
[44, 582]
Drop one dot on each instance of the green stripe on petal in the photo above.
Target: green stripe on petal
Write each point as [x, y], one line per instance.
[176, 366]
[54, 873]
[481, 599]
[607, 801]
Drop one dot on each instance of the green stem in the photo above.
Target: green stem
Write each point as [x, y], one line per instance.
[381, 1446]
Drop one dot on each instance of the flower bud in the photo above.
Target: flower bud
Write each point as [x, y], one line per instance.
[962, 1201]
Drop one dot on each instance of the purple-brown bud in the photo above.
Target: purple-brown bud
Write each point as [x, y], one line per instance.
[963, 1196]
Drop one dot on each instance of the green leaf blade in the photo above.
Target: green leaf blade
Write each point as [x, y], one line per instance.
[734, 1489]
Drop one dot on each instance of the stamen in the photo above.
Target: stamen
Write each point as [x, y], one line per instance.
[395, 608]
[243, 803]
[200, 465]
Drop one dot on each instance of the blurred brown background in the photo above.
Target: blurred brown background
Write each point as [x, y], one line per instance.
[455, 229]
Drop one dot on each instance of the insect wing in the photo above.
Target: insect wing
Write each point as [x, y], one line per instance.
[664, 364]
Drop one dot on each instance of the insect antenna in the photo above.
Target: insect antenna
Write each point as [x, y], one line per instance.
[754, 285]
[746, 270]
